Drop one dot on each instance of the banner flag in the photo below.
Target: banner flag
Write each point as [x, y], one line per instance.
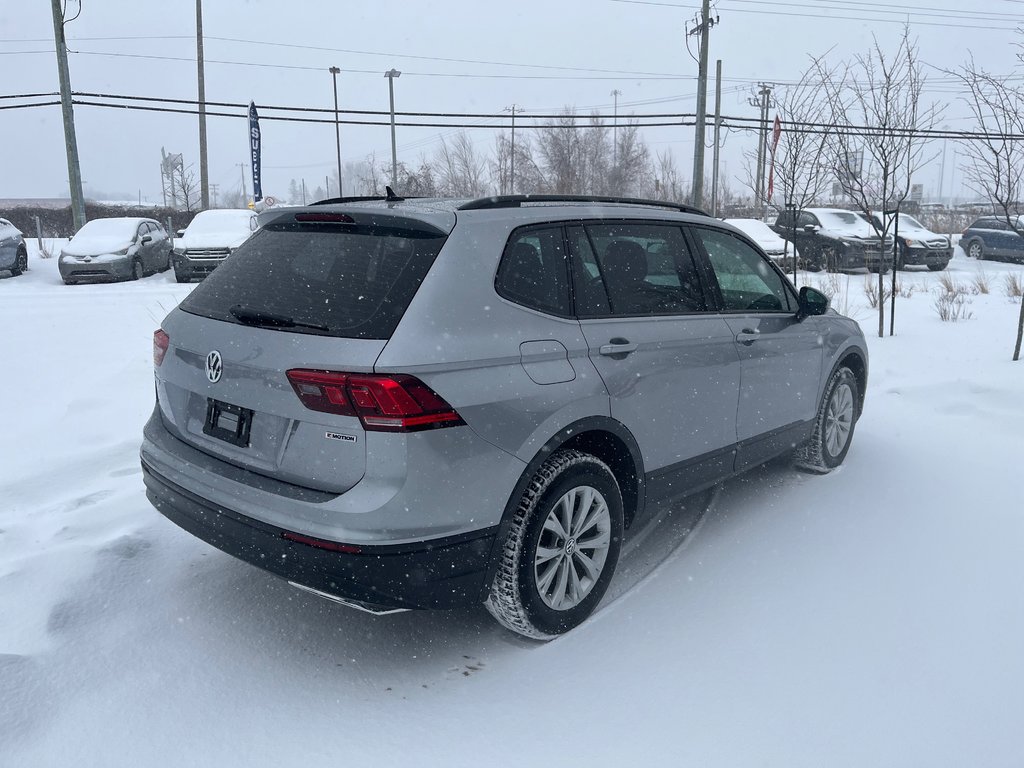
[254, 152]
[776, 133]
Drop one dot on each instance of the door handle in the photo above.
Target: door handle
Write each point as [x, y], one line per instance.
[617, 346]
[748, 336]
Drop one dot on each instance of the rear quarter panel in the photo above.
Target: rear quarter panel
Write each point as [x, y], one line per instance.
[463, 340]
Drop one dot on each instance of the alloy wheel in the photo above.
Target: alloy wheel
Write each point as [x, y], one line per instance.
[573, 548]
[839, 419]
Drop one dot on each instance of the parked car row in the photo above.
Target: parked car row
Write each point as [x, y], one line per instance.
[129, 248]
[837, 239]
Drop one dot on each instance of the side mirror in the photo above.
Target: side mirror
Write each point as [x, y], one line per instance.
[180, 233]
[146, 239]
[810, 227]
[812, 302]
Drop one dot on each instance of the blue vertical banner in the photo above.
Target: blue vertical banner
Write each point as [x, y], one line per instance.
[254, 152]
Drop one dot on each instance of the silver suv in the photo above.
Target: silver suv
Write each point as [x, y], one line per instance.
[403, 404]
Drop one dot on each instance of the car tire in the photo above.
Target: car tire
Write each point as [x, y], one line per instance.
[938, 267]
[546, 582]
[179, 277]
[138, 270]
[901, 259]
[20, 263]
[833, 426]
[976, 250]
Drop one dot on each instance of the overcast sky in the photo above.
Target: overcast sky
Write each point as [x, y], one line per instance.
[455, 56]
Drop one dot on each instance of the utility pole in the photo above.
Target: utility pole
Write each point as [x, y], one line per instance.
[718, 129]
[765, 103]
[204, 176]
[512, 160]
[68, 113]
[703, 28]
[615, 128]
[245, 192]
[335, 71]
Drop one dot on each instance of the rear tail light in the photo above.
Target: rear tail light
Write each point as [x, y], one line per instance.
[160, 343]
[391, 403]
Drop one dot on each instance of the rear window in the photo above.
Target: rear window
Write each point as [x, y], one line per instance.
[352, 281]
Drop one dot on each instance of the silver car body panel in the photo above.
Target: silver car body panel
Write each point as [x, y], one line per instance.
[516, 376]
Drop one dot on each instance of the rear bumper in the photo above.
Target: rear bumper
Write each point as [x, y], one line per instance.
[439, 573]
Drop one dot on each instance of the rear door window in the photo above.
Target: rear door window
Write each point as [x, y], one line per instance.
[634, 268]
[533, 272]
[347, 280]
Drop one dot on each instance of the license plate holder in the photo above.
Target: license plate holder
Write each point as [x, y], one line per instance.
[227, 422]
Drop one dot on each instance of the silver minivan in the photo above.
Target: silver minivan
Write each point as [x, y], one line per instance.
[403, 404]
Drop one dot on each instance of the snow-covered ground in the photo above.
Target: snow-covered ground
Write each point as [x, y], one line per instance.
[874, 616]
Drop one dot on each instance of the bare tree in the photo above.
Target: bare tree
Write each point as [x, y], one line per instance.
[369, 176]
[577, 157]
[186, 188]
[528, 177]
[874, 105]
[800, 171]
[631, 162]
[461, 171]
[666, 182]
[418, 182]
[561, 154]
[995, 161]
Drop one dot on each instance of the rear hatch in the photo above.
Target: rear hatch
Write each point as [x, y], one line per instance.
[314, 290]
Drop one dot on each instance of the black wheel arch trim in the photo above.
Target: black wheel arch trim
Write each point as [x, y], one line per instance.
[861, 354]
[561, 438]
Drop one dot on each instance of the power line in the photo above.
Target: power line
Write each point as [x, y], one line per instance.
[770, 11]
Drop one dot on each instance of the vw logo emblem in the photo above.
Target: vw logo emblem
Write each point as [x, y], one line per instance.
[214, 366]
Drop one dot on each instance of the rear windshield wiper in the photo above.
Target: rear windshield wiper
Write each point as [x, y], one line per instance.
[263, 319]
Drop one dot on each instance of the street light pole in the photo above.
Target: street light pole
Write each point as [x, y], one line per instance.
[335, 71]
[204, 173]
[391, 74]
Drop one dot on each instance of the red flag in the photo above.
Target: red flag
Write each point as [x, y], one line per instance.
[776, 132]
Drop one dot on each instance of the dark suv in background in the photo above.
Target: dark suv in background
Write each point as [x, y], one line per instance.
[834, 239]
[402, 404]
[990, 237]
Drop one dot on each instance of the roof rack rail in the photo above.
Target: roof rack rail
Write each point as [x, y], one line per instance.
[388, 197]
[517, 201]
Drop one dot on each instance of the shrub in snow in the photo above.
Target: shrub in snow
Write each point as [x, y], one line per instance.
[871, 291]
[981, 282]
[1014, 285]
[952, 307]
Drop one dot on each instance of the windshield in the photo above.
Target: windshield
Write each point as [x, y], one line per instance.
[910, 222]
[846, 223]
[122, 229]
[755, 228]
